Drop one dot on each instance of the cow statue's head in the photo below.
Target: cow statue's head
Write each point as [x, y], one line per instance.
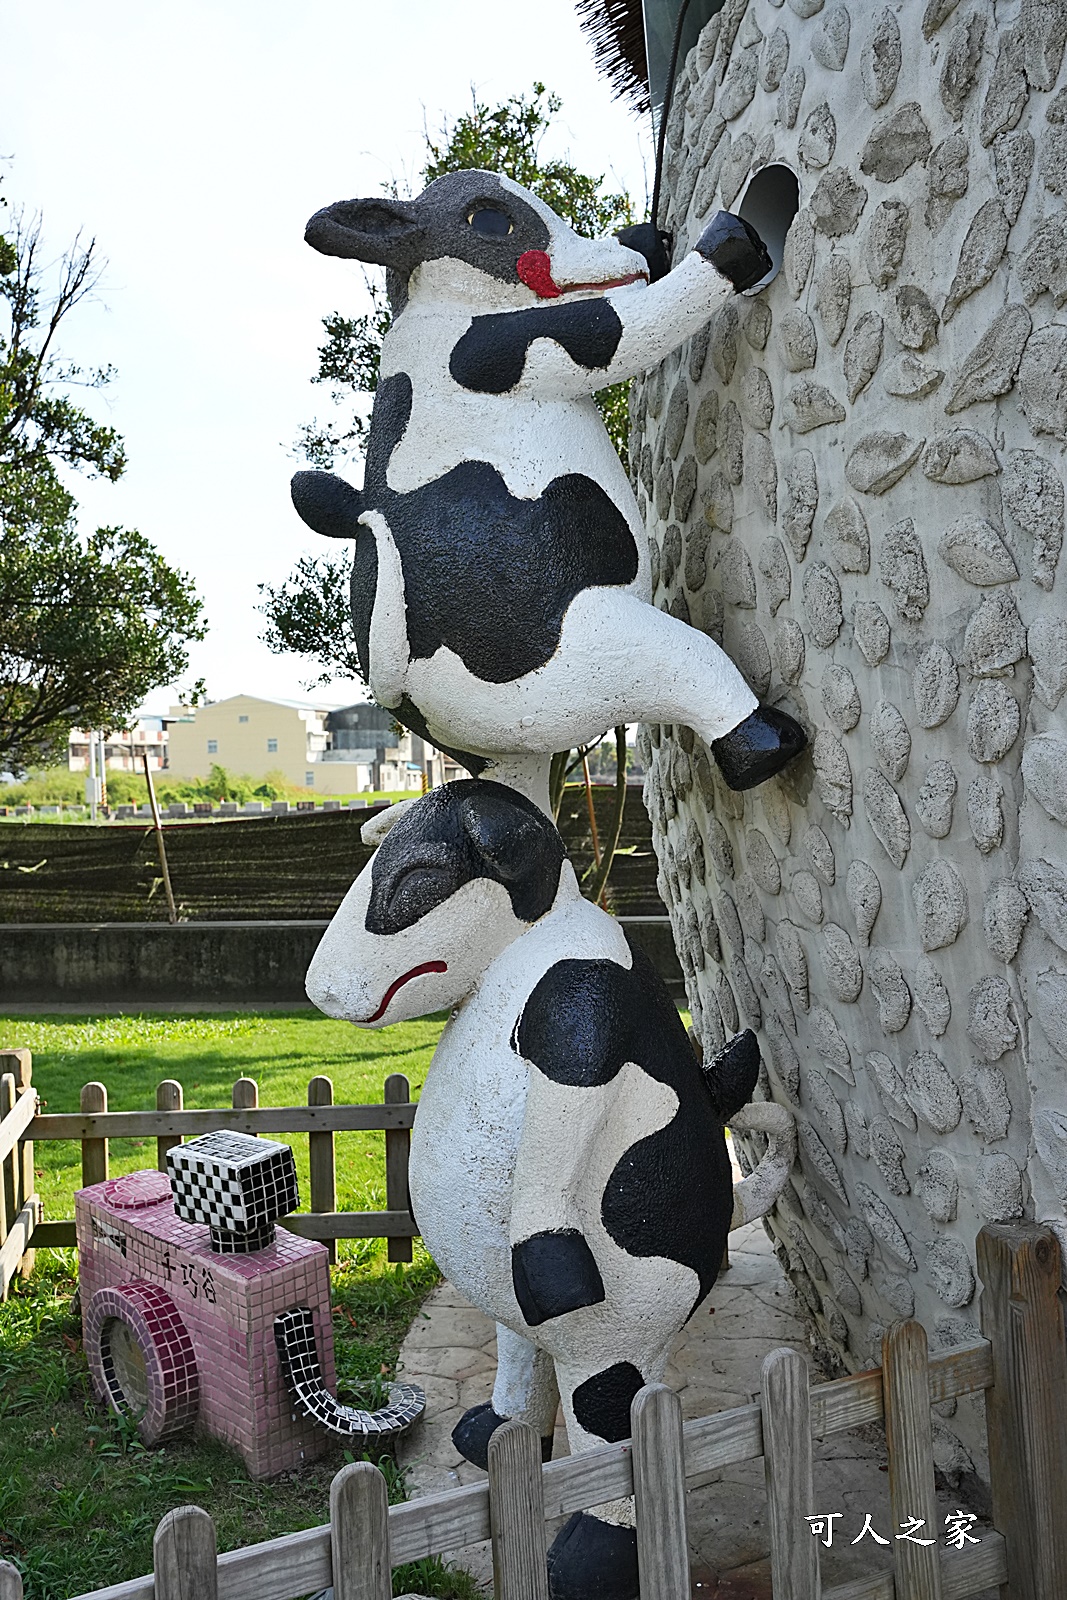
[506, 242]
[458, 875]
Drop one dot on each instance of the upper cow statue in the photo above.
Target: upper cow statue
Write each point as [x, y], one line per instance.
[501, 586]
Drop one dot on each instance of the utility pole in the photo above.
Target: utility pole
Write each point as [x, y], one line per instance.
[172, 912]
[92, 786]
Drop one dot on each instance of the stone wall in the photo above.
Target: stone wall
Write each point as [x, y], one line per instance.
[854, 480]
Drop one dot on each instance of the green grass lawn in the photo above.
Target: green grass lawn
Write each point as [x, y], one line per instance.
[207, 1054]
[80, 1496]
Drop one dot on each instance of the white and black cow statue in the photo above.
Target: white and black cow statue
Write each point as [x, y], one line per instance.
[501, 588]
[569, 1170]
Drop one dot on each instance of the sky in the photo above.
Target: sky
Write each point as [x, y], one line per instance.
[192, 142]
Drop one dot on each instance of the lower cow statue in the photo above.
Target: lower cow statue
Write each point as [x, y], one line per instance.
[569, 1168]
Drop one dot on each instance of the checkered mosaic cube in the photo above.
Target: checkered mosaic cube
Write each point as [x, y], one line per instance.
[237, 1185]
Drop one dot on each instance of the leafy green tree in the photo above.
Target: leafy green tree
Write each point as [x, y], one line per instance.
[89, 623]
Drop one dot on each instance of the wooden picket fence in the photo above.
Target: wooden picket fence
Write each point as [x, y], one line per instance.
[22, 1123]
[1020, 1364]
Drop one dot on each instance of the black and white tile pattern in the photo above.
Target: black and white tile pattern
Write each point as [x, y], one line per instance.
[294, 1335]
[235, 1184]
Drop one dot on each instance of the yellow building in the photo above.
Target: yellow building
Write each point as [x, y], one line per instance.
[253, 737]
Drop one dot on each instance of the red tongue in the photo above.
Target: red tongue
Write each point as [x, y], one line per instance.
[535, 271]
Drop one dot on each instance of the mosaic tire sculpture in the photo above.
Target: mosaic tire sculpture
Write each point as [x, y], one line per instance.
[855, 481]
[141, 1359]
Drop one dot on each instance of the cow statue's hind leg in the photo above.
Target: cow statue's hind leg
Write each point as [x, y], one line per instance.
[595, 1552]
[619, 660]
[525, 1391]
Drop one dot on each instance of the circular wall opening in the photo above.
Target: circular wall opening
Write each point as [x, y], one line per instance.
[770, 203]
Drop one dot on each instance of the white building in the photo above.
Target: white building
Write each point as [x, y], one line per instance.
[124, 749]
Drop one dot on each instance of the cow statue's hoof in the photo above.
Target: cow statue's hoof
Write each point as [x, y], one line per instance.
[593, 1560]
[735, 249]
[476, 1427]
[758, 747]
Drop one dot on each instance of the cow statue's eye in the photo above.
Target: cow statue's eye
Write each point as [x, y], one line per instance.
[491, 224]
[419, 890]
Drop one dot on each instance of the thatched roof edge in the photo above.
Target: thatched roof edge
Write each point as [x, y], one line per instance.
[616, 29]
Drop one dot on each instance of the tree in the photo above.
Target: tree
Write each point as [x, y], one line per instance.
[89, 623]
[308, 613]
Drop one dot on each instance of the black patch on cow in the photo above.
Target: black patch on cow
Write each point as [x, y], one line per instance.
[486, 573]
[465, 830]
[363, 587]
[591, 1559]
[553, 1273]
[401, 234]
[491, 355]
[602, 1403]
[671, 1194]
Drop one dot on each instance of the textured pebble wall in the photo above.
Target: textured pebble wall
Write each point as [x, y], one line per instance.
[855, 482]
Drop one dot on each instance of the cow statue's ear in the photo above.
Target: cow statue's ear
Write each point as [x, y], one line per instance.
[519, 845]
[327, 504]
[500, 834]
[383, 231]
[375, 828]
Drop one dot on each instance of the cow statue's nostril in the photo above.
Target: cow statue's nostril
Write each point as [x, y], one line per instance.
[652, 243]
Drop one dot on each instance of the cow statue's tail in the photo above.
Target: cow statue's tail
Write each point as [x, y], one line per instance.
[327, 504]
[755, 1195]
[294, 1335]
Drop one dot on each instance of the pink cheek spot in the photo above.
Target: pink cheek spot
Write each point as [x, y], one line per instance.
[535, 271]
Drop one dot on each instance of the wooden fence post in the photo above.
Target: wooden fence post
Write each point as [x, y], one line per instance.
[909, 1437]
[786, 1406]
[94, 1151]
[517, 1514]
[27, 1185]
[321, 1164]
[185, 1557]
[1026, 1406]
[10, 1582]
[659, 1493]
[245, 1096]
[169, 1097]
[359, 1534]
[9, 1168]
[8, 1211]
[397, 1151]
